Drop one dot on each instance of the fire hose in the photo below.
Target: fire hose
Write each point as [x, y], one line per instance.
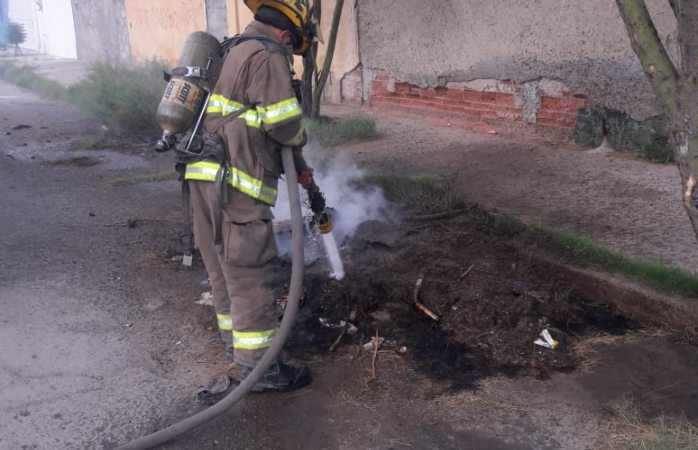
[167, 434]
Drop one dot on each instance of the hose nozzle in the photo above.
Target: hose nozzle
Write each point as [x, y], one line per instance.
[323, 222]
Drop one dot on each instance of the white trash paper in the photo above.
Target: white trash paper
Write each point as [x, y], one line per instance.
[546, 340]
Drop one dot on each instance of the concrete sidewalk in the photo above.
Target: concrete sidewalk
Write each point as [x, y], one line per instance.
[61, 70]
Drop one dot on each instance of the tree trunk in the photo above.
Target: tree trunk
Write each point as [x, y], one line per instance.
[307, 87]
[329, 55]
[676, 88]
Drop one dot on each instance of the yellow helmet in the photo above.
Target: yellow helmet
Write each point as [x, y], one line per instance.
[297, 13]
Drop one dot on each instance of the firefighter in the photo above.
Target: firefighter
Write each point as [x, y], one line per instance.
[252, 112]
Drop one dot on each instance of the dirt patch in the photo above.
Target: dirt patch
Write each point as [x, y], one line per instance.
[493, 302]
[77, 161]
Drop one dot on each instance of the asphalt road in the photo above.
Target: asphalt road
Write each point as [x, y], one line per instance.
[78, 367]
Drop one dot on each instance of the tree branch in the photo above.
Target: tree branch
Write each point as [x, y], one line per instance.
[687, 22]
[653, 56]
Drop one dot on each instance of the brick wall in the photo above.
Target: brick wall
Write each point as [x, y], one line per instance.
[352, 87]
[546, 104]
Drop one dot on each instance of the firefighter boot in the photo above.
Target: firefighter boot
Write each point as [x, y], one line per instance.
[281, 377]
[229, 352]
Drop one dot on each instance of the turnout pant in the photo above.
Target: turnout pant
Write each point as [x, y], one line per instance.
[242, 276]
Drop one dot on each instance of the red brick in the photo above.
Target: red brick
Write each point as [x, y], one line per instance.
[505, 100]
[488, 97]
[547, 122]
[509, 114]
[472, 95]
[463, 110]
[548, 103]
[402, 88]
[440, 91]
[575, 103]
[427, 93]
[455, 94]
[379, 87]
[547, 114]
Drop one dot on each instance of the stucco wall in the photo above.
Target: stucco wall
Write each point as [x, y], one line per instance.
[158, 28]
[582, 44]
[346, 54]
[101, 30]
[238, 16]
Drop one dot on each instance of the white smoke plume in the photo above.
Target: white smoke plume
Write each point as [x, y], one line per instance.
[349, 201]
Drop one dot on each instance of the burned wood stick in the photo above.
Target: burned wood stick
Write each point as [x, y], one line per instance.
[467, 271]
[334, 345]
[421, 307]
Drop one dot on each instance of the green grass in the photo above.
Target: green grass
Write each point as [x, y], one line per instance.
[585, 252]
[335, 131]
[424, 194]
[126, 98]
[26, 77]
[169, 175]
[630, 429]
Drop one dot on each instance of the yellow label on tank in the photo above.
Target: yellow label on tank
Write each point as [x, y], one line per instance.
[184, 93]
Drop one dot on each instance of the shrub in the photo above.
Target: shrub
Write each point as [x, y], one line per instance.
[125, 97]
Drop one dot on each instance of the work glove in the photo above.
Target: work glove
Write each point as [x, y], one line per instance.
[305, 172]
[305, 177]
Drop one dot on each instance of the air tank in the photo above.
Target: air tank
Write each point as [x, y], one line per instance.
[191, 80]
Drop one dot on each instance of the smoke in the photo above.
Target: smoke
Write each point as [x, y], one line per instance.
[350, 201]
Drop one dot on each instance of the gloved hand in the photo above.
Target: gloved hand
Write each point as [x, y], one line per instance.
[305, 172]
[305, 178]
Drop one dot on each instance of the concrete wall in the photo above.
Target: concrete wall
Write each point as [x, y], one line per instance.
[101, 30]
[582, 45]
[216, 18]
[56, 27]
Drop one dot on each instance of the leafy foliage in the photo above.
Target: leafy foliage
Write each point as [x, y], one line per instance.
[16, 34]
[124, 97]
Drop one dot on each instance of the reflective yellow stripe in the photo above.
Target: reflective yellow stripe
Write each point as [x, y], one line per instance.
[281, 111]
[225, 322]
[218, 104]
[206, 171]
[202, 171]
[251, 186]
[252, 119]
[253, 340]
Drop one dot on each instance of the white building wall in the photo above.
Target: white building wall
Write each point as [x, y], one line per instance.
[23, 12]
[56, 27]
[49, 25]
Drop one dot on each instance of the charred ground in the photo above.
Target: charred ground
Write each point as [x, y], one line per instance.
[493, 300]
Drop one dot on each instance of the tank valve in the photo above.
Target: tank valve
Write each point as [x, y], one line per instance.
[166, 142]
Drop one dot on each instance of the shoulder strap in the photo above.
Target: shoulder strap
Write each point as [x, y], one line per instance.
[229, 118]
[270, 44]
